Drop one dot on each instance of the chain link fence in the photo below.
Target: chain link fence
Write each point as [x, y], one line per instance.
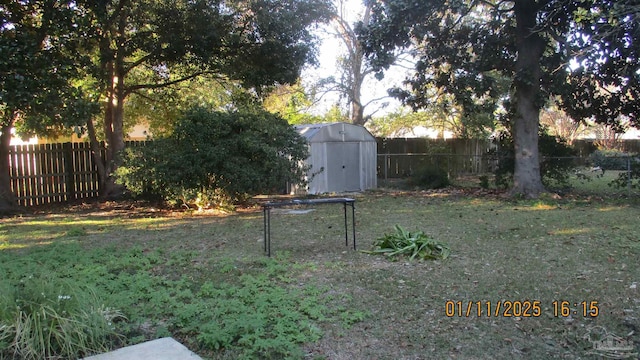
[597, 175]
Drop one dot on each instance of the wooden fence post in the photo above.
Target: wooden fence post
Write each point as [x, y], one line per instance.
[68, 171]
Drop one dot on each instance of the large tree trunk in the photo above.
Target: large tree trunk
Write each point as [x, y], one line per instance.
[526, 178]
[353, 73]
[356, 80]
[114, 125]
[8, 200]
[114, 135]
[116, 93]
[357, 110]
[115, 131]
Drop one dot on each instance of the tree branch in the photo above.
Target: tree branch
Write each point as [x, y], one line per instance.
[137, 63]
[375, 100]
[137, 87]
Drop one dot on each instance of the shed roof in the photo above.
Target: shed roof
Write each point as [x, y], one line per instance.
[334, 132]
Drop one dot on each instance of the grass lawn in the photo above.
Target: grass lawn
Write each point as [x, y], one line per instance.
[205, 280]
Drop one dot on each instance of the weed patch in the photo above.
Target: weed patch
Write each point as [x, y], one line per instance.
[259, 312]
[255, 319]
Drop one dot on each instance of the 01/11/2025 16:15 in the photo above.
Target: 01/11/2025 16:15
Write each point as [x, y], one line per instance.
[525, 308]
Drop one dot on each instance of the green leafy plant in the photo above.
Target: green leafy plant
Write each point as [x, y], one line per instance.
[254, 311]
[350, 317]
[47, 318]
[414, 245]
[76, 231]
[257, 318]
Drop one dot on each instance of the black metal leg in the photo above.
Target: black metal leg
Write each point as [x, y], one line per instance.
[346, 229]
[353, 223]
[267, 231]
[267, 219]
[264, 217]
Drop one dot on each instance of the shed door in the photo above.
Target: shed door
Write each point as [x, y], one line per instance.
[343, 165]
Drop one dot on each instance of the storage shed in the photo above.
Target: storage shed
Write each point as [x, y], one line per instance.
[342, 158]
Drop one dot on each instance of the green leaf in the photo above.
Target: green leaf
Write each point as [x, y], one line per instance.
[409, 244]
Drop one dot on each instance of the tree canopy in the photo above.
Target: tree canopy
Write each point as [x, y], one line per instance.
[141, 46]
[39, 62]
[120, 48]
[506, 58]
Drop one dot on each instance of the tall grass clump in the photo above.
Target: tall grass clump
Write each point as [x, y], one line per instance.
[46, 318]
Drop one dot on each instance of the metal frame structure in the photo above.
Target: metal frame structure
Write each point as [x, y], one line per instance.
[266, 209]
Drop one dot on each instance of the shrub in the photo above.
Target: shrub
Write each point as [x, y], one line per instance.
[46, 318]
[216, 158]
[629, 179]
[429, 177]
[609, 159]
[484, 181]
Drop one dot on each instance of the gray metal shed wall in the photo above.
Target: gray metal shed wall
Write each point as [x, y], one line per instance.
[318, 178]
[369, 165]
[326, 138]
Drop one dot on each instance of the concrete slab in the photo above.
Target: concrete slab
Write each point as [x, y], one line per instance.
[159, 349]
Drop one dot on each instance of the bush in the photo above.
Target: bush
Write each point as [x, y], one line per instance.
[628, 179]
[46, 318]
[216, 158]
[429, 177]
[484, 181]
[609, 159]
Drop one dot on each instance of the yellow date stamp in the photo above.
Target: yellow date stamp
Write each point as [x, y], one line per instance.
[520, 308]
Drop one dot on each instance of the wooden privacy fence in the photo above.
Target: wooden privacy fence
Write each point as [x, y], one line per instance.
[392, 166]
[49, 173]
[400, 157]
